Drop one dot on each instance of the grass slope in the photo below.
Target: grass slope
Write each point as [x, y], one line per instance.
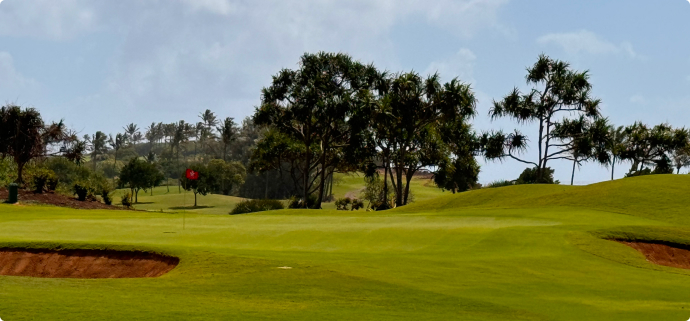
[514, 253]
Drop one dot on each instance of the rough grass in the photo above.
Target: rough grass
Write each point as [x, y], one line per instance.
[512, 253]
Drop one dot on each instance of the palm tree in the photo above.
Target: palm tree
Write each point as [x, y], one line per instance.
[151, 135]
[131, 132]
[98, 146]
[117, 143]
[228, 133]
[681, 158]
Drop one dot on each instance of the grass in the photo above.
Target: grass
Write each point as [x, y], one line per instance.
[510, 253]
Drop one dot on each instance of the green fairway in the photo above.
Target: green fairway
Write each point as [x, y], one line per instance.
[514, 253]
[177, 200]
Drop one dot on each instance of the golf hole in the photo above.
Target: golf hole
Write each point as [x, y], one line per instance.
[672, 255]
[84, 264]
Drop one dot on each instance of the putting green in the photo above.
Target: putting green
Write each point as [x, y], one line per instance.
[513, 253]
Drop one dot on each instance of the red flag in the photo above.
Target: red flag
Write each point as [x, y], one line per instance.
[192, 175]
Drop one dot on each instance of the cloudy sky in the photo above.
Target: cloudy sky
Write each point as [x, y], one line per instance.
[101, 64]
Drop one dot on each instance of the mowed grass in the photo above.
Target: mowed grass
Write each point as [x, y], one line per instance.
[174, 199]
[513, 253]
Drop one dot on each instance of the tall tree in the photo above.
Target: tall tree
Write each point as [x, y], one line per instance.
[646, 146]
[557, 90]
[24, 136]
[413, 121]
[98, 143]
[117, 143]
[318, 105]
[583, 139]
[228, 134]
[140, 175]
[132, 133]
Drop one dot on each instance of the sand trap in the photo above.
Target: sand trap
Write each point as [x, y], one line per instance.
[84, 264]
[663, 254]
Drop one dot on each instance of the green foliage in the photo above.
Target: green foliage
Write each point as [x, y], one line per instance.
[557, 90]
[226, 175]
[379, 196]
[298, 202]
[457, 175]
[531, 176]
[251, 206]
[139, 175]
[126, 200]
[82, 190]
[204, 185]
[342, 204]
[44, 179]
[345, 204]
[500, 183]
[24, 136]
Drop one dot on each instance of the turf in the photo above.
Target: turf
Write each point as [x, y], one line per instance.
[512, 253]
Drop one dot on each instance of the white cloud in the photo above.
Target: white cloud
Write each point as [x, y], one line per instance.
[46, 18]
[587, 42]
[11, 81]
[460, 65]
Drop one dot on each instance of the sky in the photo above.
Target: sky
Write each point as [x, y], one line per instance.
[102, 64]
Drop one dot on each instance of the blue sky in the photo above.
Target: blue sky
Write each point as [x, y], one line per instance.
[103, 64]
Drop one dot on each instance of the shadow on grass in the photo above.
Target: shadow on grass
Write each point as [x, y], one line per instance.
[143, 203]
[190, 207]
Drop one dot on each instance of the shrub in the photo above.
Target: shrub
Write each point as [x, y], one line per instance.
[529, 176]
[357, 204]
[251, 206]
[44, 179]
[500, 183]
[126, 200]
[81, 189]
[296, 202]
[342, 204]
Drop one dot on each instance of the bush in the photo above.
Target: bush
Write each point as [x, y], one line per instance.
[81, 189]
[251, 206]
[529, 176]
[44, 179]
[126, 200]
[357, 204]
[296, 202]
[500, 183]
[342, 204]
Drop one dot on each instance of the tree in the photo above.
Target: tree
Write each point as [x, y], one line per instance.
[318, 106]
[557, 90]
[646, 146]
[117, 143]
[24, 136]
[681, 158]
[203, 185]
[417, 122]
[140, 175]
[98, 146]
[226, 175]
[584, 139]
[228, 134]
[132, 134]
[616, 146]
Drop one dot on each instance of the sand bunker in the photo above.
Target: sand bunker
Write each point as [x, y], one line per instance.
[663, 254]
[84, 264]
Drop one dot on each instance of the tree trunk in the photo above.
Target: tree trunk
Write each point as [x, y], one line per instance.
[136, 195]
[322, 180]
[306, 175]
[572, 177]
[385, 182]
[168, 185]
[613, 166]
[195, 198]
[399, 188]
[410, 173]
[20, 171]
[266, 188]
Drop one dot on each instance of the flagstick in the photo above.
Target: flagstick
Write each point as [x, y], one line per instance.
[184, 205]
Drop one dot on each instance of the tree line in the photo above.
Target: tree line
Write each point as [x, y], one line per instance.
[334, 114]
